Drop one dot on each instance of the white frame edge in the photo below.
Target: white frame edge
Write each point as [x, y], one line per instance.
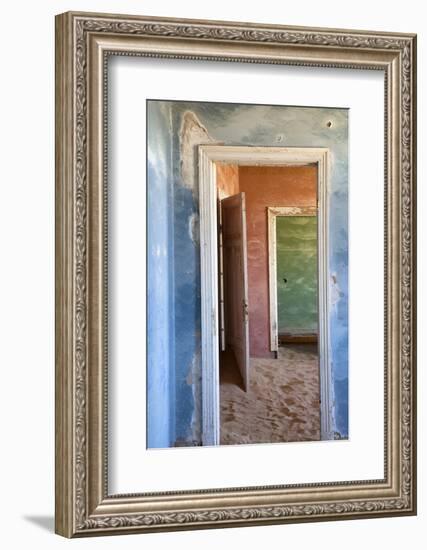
[254, 156]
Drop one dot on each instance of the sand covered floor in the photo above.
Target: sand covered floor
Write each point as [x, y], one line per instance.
[282, 403]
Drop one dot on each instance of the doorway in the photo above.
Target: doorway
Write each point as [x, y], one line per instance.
[232, 330]
[293, 275]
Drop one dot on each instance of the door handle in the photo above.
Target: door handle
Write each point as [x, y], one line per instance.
[245, 309]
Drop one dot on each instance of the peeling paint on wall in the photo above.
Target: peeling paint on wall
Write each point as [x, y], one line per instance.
[192, 134]
[193, 227]
[194, 379]
[334, 292]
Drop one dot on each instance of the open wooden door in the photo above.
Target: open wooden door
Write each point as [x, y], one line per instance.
[236, 281]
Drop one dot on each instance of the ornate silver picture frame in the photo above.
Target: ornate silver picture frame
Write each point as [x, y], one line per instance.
[84, 43]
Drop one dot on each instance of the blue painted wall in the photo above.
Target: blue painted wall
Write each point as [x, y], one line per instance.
[160, 306]
[176, 128]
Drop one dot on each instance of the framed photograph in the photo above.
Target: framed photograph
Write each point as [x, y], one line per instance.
[235, 274]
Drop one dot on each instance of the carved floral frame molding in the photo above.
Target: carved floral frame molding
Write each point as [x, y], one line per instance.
[83, 43]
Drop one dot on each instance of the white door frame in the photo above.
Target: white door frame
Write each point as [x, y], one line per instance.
[254, 156]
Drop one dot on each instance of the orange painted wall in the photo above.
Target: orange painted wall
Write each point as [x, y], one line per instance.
[227, 180]
[268, 186]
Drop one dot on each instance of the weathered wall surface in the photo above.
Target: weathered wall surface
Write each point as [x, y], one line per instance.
[268, 186]
[296, 238]
[203, 123]
[227, 180]
[160, 352]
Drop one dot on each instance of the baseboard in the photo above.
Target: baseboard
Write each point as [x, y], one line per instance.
[298, 338]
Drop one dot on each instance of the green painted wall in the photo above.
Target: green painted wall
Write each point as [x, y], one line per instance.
[297, 263]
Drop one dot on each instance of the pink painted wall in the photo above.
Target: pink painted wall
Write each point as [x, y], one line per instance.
[268, 186]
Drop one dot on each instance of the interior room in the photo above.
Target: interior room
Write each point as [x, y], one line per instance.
[268, 303]
[269, 158]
